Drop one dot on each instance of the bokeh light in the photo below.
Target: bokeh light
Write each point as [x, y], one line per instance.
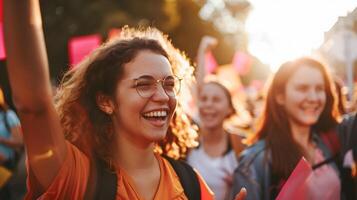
[284, 29]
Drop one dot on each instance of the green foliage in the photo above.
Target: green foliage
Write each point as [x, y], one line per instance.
[64, 19]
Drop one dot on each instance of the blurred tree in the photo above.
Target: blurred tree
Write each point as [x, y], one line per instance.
[64, 19]
[188, 33]
[180, 19]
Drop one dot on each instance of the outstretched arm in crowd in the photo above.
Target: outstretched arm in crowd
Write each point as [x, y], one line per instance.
[207, 43]
[29, 78]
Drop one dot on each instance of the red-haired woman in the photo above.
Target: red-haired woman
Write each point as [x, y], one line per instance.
[299, 120]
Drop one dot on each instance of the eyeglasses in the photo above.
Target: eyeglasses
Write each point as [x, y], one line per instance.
[146, 86]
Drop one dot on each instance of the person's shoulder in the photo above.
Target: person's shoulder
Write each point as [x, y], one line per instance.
[11, 113]
[194, 153]
[348, 119]
[253, 154]
[347, 126]
[254, 149]
[12, 117]
[253, 167]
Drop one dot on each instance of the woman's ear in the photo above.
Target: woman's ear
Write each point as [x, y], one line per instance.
[105, 103]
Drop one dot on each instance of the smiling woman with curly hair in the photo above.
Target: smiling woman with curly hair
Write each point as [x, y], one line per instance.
[119, 109]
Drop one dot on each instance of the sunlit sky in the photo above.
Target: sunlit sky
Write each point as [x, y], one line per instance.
[284, 29]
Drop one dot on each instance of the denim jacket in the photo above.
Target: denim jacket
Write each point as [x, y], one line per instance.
[253, 171]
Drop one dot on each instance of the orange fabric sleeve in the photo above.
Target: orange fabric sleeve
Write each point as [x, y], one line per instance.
[71, 180]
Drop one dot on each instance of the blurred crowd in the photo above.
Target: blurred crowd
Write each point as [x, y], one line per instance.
[137, 107]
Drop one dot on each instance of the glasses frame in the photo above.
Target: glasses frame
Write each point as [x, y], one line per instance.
[157, 82]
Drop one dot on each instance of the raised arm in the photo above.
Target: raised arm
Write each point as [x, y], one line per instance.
[206, 44]
[29, 78]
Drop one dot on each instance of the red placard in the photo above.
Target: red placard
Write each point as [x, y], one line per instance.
[1, 11]
[293, 188]
[2, 44]
[79, 47]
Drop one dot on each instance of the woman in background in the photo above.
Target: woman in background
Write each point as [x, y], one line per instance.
[214, 158]
[299, 120]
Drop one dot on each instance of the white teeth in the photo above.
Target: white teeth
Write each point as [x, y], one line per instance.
[156, 114]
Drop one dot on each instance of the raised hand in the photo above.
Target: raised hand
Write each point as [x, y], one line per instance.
[207, 43]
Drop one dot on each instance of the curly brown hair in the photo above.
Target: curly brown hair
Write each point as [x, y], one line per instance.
[89, 128]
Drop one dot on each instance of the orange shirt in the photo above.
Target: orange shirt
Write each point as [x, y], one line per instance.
[71, 181]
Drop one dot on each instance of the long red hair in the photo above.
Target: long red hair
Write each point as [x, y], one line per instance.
[274, 127]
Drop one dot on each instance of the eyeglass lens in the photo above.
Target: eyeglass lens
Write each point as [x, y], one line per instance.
[146, 86]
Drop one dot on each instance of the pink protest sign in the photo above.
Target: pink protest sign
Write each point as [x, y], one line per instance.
[1, 11]
[210, 62]
[293, 187]
[79, 47]
[2, 45]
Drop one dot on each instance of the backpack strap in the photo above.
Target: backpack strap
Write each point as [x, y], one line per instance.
[106, 187]
[188, 178]
[331, 140]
